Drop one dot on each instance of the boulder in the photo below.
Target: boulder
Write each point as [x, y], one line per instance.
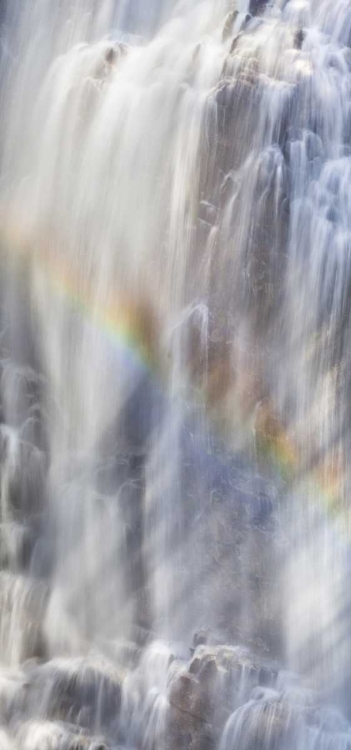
[188, 695]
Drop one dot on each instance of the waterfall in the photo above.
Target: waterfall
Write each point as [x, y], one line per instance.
[175, 237]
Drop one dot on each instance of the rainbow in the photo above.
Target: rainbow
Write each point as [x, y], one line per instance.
[120, 321]
[323, 482]
[132, 327]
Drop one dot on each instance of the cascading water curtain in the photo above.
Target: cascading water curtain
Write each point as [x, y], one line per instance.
[175, 373]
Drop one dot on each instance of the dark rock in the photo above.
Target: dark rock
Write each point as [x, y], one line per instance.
[266, 676]
[257, 6]
[24, 466]
[112, 55]
[16, 545]
[195, 665]
[235, 42]
[299, 39]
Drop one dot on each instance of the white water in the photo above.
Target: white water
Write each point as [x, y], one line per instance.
[175, 247]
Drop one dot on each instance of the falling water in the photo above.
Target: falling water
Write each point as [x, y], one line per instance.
[175, 235]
